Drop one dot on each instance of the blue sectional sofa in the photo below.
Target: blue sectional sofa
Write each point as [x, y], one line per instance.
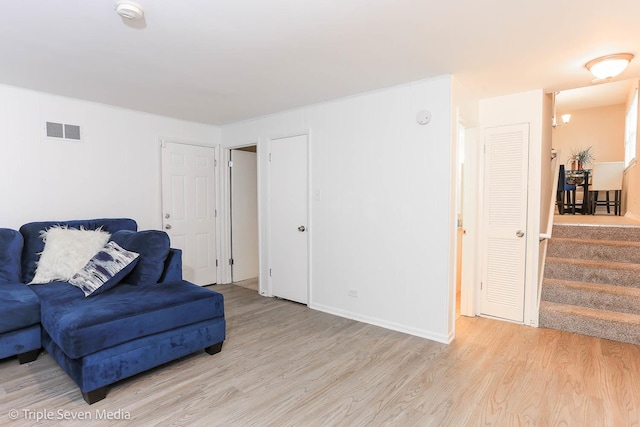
[19, 306]
[151, 317]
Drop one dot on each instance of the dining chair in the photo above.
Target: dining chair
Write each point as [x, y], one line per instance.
[607, 177]
[566, 193]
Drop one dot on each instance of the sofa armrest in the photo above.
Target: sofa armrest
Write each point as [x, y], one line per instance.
[172, 266]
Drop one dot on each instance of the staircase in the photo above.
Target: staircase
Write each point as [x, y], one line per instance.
[591, 281]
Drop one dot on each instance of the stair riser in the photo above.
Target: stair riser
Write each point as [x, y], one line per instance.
[590, 251]
[625, 234]
[615, 331]
[591, 274]
[590, 298]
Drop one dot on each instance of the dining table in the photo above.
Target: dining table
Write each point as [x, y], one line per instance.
[581, 178]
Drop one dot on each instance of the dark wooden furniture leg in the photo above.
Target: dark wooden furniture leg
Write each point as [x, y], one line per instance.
[94, 396]
[588, 195]
[586, 202]
[213, 349]
[560, 202]
[29, 356]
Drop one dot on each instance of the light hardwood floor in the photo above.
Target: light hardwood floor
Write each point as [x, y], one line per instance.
[249, 284]
[286, 365]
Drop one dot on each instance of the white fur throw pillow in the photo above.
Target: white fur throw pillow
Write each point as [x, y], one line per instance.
[66, 251]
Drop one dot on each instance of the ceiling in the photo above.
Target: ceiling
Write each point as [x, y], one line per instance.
[221, 61]
[597, 95]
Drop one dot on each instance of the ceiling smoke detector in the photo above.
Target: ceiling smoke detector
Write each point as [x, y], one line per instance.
[129, 10]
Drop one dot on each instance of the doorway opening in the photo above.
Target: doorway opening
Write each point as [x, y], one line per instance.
[243, 218]
[459, 214]
[467, 182]
[597, 124]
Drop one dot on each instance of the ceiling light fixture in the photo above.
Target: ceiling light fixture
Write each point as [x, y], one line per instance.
[129, 10]
[609, 66]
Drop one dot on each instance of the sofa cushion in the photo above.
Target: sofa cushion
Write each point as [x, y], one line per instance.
[66, 251]
[10, 251]
[81, 326]
[105, 270]
[153, 247]
[172, 266]
[33, 244]
[20, 307]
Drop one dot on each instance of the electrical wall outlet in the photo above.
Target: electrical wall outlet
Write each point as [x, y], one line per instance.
[353, 293]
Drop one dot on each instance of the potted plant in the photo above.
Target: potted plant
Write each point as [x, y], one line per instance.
[581, 157]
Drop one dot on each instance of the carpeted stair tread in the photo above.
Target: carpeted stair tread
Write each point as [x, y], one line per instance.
[611, 325]
[603, 242]
[603, 250]
[596, 263]
[625, 232]
[595, 295]
[593, 271]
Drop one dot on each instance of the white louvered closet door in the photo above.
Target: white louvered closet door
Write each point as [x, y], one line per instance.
[505, 221]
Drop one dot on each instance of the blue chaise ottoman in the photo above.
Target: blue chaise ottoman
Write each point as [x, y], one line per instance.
[149, 318]
[127, 330]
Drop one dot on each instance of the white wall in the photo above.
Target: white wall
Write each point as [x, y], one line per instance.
[547, 171]
[384, 221]
[525, 107]
[601, 128]
[113, 172]
[631, 193]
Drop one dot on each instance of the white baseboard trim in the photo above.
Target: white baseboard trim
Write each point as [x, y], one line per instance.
[444, 339]
[632, 216]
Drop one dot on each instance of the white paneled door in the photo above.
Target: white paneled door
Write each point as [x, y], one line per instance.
[244, 215]
[505, 221]
[288, 213]
[188, 208]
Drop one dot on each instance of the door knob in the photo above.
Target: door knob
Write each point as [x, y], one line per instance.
[167, 216]
[301, 228]
[519, 233]
[168, 226]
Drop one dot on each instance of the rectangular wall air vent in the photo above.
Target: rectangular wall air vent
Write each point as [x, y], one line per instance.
[72, 132]
[63, 131]
[54, 130]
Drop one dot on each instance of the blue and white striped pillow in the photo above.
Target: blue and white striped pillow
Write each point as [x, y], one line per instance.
[105, 270]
